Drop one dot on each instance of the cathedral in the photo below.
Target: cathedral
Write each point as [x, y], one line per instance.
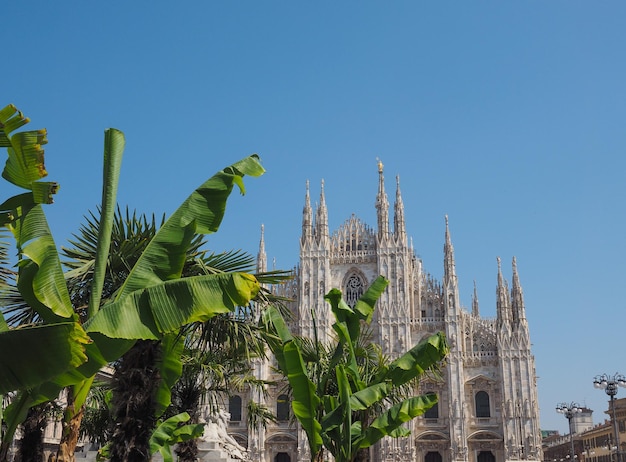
[487, 409]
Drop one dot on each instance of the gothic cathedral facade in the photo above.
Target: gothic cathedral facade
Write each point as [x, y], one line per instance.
[487, 410]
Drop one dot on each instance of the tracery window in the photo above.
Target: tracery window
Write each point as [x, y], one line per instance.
[354, 289]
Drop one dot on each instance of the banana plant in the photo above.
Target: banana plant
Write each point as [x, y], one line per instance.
[154, 303]
[58, 344]
[342, 409]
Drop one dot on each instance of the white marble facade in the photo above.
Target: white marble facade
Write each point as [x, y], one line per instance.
[487, 410]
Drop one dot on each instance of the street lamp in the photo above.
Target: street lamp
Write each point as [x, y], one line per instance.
[609, 384]
[569, 410]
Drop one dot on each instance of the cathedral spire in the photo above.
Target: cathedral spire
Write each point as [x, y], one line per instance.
[475, 310]
[399, 226]
[448, 259]
[261, 259]
[307, 217]
[382, 205]
[321, 218]
[502, 299]
[517, 297]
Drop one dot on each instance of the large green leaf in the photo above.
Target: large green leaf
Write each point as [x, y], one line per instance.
[114, 143]
[14, 414]
[367, 397]
[40, 279]
[157, 310]
[390, 421]
[25, 164]
[201, 213]
[47, 350]
[343, 385]
[170, 432]
[422, 357]
[305, 401]
[170, 367]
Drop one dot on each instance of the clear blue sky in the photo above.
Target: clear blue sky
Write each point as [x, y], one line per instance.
[507, 116]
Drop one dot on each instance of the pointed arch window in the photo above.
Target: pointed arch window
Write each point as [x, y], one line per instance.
[282, 408]
[234, 408]
[355, 286]
[433, 412]
[482, 404]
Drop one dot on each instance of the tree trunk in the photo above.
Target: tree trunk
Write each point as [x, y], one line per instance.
[31, 444]
[71, 427]
[187, 451]
[186, 396]
[362, 455]
[135, 380]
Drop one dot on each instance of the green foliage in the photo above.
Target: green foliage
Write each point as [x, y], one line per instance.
[171, 432]
[343, 407]
[60, 338]
[152, 303]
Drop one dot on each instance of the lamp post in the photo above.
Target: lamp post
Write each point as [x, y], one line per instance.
[569, 410]
[609, 384]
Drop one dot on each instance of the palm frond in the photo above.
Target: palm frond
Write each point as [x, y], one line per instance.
[259, 414]
[15, 310]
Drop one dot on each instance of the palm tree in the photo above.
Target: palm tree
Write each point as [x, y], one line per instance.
[221, 345]
[217, 361]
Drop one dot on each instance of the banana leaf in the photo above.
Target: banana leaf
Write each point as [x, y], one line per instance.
[202, 213]
[417, 360]
[161, 309]
[46, 350]
[25, 165]
[305, 401]
[171, 432]
[171, 368]
[389, 422]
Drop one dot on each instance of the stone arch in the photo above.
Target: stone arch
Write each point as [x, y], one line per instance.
[484, 435]
[431, 441]
[281, 445]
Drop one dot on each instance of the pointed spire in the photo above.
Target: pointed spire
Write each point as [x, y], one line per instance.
[382, 205]
[475, 310]
[261, 260]
[399, 226]
[449, 270]
[321, 218]
[502, 299]
[517, 296]
[307, 217]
